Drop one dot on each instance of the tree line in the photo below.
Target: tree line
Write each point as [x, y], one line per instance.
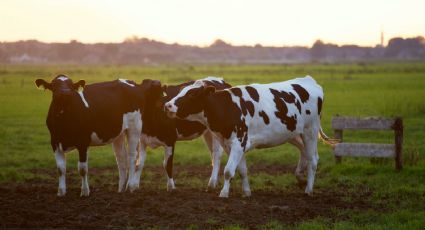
[136, 50]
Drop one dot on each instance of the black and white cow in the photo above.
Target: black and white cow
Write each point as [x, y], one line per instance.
[103, 113]
[257, 116]
[160, 130]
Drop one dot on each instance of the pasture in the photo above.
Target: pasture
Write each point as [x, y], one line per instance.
[357, 194]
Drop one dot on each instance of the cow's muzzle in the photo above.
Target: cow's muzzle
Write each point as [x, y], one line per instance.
[170, 109]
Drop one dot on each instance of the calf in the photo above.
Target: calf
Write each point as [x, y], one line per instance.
[102, 113]
[257, 116]
[160, 130]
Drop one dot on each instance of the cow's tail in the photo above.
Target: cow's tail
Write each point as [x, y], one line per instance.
[327, 140]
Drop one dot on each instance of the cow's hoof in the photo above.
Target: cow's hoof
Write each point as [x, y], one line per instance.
[61, 192]
[170, 188]
[309, 192]
[85, 192]
[133, 187]
[246, 193]
[170, 185]
[212, 184]
[224, 194]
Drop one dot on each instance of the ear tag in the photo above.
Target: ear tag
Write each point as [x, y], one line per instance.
[80, 89]
[41, 87]
[164, 94]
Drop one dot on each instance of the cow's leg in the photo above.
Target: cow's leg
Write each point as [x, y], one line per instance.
[243, 171]
[302, 162]
[310, 142]
[133, 138]
[229, 171]
[139, 165]
[216, 152]
[83, 170]
[168, 166]
[121, 157]
[61, 165]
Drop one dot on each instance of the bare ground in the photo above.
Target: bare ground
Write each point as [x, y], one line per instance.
[33, 204]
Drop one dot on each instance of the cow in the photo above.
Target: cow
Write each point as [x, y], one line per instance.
[102, 113]
[161, 131]
[247, 117]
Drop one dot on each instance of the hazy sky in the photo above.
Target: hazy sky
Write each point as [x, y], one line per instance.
[200, 22]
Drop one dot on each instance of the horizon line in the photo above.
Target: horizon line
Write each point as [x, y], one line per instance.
[203, 45]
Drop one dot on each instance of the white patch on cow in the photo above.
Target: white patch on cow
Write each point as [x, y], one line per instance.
[125, 81]
[83, 171]
[62, 78]
[132, 119]
[83, 98]
[60, 147]
[132, 124]
[212, 78]
[95, 140]
[61, 165]
[167, 153]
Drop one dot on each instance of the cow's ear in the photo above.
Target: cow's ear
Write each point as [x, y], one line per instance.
[209, 90]
[42, 84]
[79, 86]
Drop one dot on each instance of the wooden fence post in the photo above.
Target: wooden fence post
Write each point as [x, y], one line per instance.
[398, 131]
[338, 135]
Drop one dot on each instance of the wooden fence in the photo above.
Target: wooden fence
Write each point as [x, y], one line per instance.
[339, 124]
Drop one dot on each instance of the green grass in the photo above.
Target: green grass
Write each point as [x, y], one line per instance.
[376, 89]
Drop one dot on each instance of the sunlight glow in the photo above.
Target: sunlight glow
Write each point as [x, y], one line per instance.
[240, 22]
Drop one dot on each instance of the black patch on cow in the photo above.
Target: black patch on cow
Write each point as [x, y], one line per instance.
[169, 165]
[319, 105]
[172, 90]
[264, 116]
[189, 128]
[302, 93]
[236, 91]
[191, 98]
[250, 108]
[298, 105]
[308, 112]
[282, 110]
[225, 117]
[253, 93]
[246, 105]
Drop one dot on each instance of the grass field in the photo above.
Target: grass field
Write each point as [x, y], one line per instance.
[393, 200]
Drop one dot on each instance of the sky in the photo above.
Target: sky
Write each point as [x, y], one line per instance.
[200, 22]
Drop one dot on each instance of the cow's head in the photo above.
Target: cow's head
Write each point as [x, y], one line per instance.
[62, 88]
[60, 85]
[153, 92]
[189, 101]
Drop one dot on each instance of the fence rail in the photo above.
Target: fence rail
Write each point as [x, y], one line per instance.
[339, 124]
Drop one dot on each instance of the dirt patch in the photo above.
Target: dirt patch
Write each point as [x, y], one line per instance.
[34, 204]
